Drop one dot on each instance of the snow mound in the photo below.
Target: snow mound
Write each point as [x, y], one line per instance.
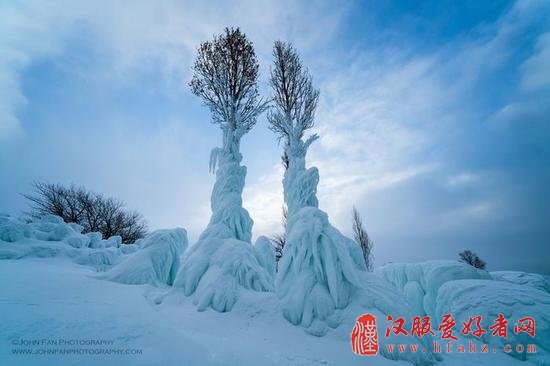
[420, 282]
[469, 298]
[156, 263]
[318, 272]
[535, 280]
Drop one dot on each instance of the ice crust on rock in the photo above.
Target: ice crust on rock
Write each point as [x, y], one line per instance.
[156, 263]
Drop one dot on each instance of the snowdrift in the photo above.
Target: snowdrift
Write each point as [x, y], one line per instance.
[156, 263]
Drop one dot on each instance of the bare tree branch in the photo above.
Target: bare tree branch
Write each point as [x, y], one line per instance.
[362, 239]
[294, 96]
[90, 210]
[225, 77]
[472, 259]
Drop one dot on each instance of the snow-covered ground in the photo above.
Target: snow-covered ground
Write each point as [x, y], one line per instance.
[53, 290]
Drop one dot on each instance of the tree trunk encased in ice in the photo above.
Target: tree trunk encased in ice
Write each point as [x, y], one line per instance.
[229, 219]
[299, 184]
[223, 260]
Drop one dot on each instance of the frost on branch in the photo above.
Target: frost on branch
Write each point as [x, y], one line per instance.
[223, 260]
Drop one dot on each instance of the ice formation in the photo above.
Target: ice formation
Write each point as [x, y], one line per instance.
[488, 298]
[420, 282]
[535, 280]
[265, 254]
[49, 236]
[223, 260]
[320, 268]
[156, 263]
[318, 271]
[376, 296]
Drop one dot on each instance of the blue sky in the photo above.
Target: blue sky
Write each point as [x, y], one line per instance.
[434, 116]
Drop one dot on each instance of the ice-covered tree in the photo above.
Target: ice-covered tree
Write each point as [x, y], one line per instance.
[362, 239]
[295, 100]
[225, 77]
[318, 272]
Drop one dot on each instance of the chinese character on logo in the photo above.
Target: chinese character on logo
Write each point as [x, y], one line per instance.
[467, 327]
[446, 327]
[527, 325]
[396, 327]
[500, 326]
[364, 336]
[421, 327]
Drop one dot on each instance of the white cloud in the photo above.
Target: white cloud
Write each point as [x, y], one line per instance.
[135, 36]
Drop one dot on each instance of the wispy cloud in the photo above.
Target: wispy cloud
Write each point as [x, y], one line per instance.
[433, 144]
[132, 37]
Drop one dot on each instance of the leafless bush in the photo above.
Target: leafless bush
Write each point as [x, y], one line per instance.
[91, 210]
[472, 259]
